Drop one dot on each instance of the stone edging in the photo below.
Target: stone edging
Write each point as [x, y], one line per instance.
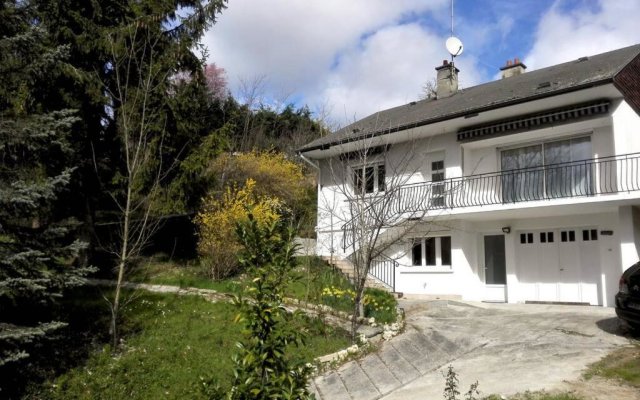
[373, 333]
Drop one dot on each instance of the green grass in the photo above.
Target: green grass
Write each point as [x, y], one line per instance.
[622, 364]
[159, 271]
[171, 344]
[309, 280]
[541, 395]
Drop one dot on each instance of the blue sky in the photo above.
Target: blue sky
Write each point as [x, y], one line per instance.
[346, 59]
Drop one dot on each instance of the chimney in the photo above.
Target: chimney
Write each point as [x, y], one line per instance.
[447, 83]
[513, 68]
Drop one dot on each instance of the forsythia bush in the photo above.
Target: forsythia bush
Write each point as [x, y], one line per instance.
[275, 175]
[217, 223]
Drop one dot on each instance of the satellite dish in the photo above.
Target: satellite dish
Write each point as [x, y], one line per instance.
[454, 46]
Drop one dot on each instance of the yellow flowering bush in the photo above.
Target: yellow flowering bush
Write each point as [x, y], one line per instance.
[377, 303]
[217, 220]
[274, 173]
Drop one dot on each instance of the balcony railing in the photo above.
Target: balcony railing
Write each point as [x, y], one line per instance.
[593, 177]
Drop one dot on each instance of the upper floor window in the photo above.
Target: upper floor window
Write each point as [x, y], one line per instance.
[547, 170]
[438, 184]
[369, 179]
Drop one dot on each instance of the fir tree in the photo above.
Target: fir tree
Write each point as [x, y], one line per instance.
[37, 244]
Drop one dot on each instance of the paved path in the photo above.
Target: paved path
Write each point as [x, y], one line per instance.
[507, 348]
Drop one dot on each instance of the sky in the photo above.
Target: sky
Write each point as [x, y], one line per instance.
[346, 59]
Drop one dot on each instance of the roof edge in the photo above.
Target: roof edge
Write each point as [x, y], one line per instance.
[491, 107]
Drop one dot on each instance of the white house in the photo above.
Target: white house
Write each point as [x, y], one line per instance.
[525, 189]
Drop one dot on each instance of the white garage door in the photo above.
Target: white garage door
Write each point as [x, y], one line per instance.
[560, 265]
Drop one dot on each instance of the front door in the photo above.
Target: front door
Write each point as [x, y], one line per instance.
[495, 272]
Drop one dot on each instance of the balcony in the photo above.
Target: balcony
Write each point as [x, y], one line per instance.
[584, 178]
[593, 177]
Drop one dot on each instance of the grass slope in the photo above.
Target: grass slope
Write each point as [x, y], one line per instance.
[313, 281]
[172, 345]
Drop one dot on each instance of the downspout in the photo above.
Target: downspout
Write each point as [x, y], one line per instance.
[311, 163]
[317, 168]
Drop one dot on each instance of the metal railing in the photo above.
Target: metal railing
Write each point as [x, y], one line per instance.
[383, 269]
[592, 177]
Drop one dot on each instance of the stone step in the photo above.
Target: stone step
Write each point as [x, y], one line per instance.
[358, 384]
[398, 365]
[330, 386]
[379, 374]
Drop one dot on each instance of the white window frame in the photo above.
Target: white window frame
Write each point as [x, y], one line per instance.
[376, 180]
[438, 251]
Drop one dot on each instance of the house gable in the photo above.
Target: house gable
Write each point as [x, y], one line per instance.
[627, 81]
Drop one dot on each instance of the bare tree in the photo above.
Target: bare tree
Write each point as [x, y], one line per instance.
[371, 199]
[429, 89]
[138, 83]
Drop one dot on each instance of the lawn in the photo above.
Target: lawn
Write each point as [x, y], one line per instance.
[171, 345]
[313, 281]
[622, 365]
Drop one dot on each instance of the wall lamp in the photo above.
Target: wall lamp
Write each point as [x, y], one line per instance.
[506, 229]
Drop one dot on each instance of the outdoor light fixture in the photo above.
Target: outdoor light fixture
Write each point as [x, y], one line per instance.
[506, 229]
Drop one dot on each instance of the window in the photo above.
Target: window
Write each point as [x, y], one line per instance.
[370, 179]
[589, 234]
[546, 237]
[547, 170]
[568, 236]
[437, 189]
[432, 251]
[526, 238]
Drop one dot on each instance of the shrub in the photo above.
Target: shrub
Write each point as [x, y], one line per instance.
[276, 176]
[377, 303]
[264, 369]
[217, 243]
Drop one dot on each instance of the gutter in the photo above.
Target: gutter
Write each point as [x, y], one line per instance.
[311, 163]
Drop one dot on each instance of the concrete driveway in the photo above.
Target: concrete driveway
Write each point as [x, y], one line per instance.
[507, 348]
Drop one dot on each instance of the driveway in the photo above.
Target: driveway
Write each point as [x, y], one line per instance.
[508, 348]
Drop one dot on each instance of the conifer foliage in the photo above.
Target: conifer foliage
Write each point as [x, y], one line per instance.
[37, 246]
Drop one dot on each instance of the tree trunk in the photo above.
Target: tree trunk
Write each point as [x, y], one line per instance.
[121, 265]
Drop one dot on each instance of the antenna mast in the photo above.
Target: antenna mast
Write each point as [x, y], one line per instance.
[451, 18]
[453, 44]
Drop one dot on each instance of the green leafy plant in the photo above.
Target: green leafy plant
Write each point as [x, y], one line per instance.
[263, 369]
[451, 391]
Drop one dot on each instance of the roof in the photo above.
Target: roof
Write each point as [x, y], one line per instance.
[570, 76]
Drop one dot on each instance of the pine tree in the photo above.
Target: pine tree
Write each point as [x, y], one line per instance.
[37, 245]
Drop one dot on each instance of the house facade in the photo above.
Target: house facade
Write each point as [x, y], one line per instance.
[525, 189]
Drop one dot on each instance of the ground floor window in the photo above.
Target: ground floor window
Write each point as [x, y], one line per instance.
[431, 251]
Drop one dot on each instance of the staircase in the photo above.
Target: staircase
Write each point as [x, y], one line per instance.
[372, 281]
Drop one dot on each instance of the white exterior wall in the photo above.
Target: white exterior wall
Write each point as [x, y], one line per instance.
[626, 128]
[409, 162]
[610, 135]
[460, 279]
[465, 278]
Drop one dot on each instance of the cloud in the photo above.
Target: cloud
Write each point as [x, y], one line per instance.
[359, 55]
[566, 33]
[389, 69]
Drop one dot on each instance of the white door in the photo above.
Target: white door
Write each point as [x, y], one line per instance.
[548, 272]
[559, 265]
[569, 267]
[495, 272]
[590, 266]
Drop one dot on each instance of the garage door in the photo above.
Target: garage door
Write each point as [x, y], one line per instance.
[559, 265]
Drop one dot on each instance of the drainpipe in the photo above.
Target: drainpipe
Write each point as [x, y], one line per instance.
[316, 166]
